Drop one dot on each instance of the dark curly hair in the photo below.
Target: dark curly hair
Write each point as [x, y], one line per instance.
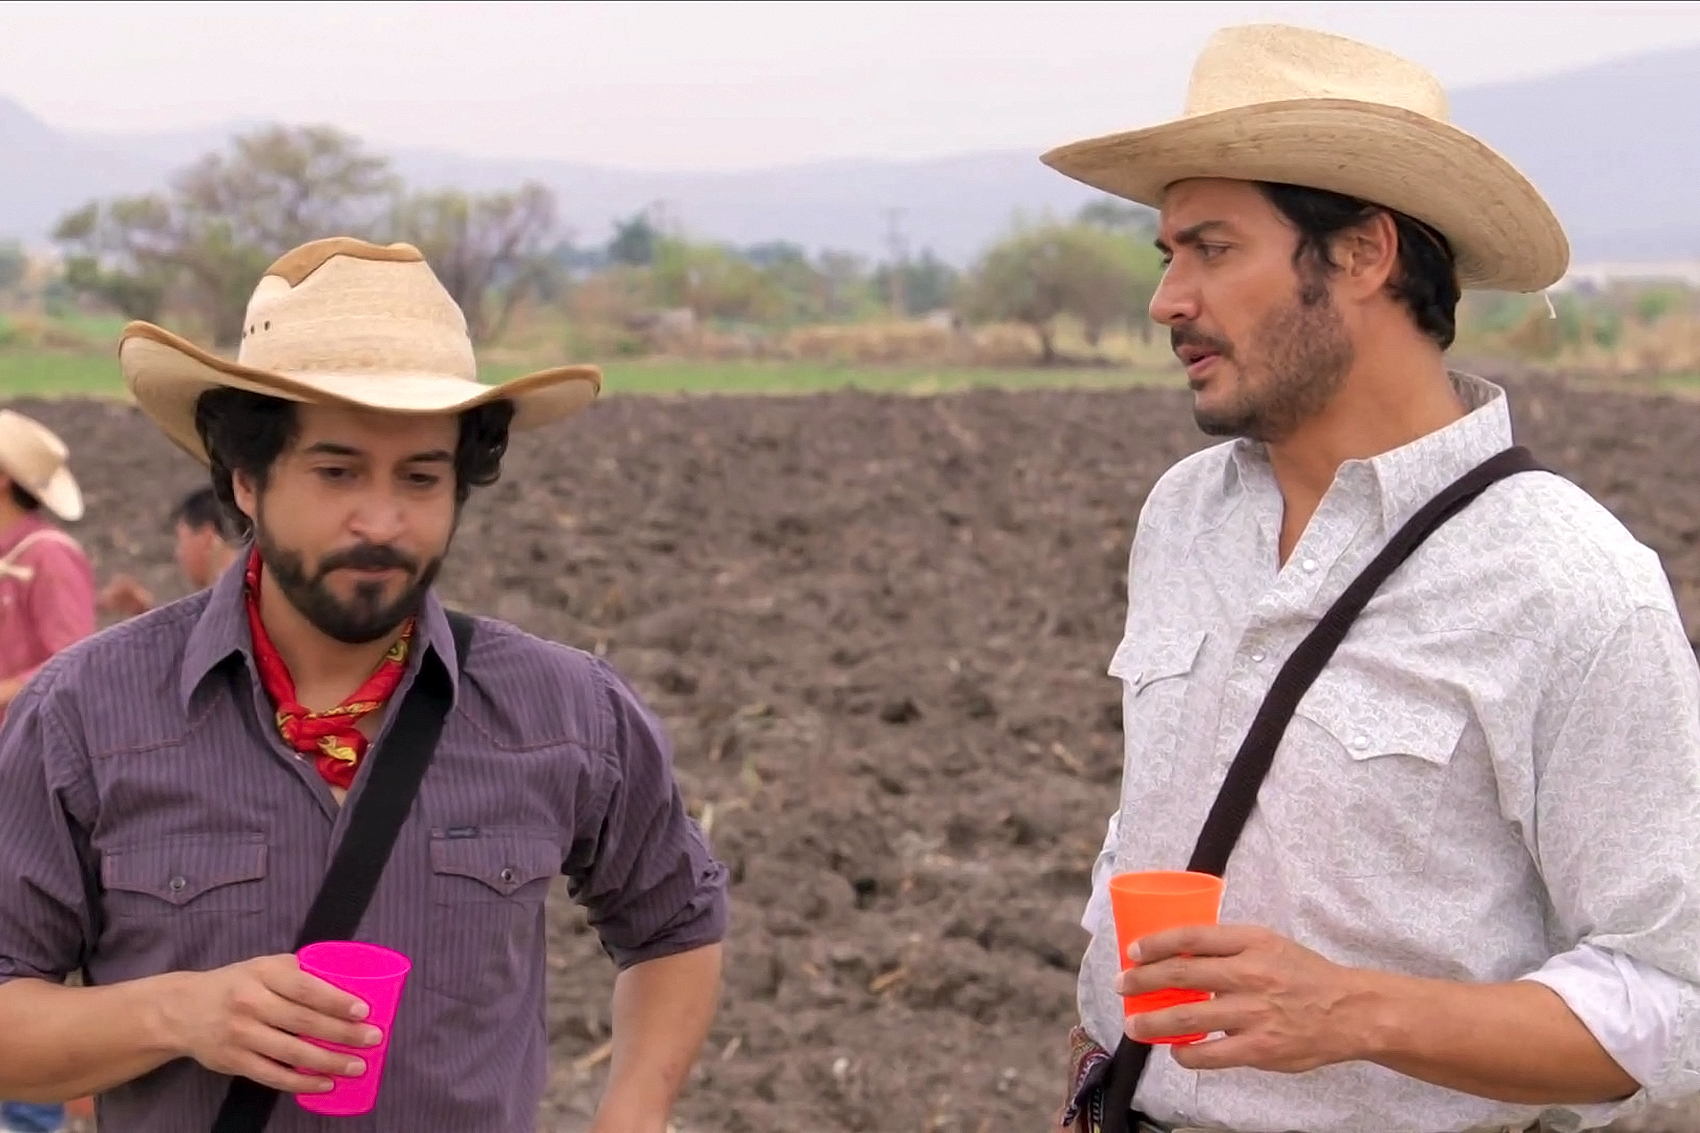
[246, 432]
[1425, 281]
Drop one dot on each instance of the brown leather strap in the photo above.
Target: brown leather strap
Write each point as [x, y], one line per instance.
[1234, 802]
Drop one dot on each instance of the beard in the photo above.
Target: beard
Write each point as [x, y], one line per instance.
[1298, 358]
[362, 619]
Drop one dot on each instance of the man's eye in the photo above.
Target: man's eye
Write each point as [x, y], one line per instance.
[334, 473]
[1211, 251]
[424, 479]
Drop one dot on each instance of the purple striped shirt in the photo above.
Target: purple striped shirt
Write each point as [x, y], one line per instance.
[152, 820]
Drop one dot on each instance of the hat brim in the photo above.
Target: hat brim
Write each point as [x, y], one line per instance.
[61, 496]
[1504, 236]
[166, 374]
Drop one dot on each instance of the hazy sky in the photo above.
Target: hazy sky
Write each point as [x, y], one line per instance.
[714, 85]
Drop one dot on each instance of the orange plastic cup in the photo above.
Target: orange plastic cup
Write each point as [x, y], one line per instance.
[1151, 902]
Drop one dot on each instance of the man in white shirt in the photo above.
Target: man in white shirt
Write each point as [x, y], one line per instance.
[1468, 897]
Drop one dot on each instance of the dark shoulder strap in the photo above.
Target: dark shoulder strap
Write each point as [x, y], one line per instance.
[1234, 802]
[398, 767]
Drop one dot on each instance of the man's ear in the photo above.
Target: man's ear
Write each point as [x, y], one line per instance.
[247, 494]
[1368, 255]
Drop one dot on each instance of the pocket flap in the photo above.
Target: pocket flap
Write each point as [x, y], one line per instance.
[1139, 661]
[503, 860]
[179, 870]
[1368, 719]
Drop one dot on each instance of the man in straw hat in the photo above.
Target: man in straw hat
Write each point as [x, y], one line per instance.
[46, 581]
[174, 792]
[1468, 892]
[46, 602]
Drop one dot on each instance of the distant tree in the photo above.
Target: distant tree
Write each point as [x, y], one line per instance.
[118, 254]
[927, 284]
[222, 220]
[714, 281]
[846, 289]
[14, 265]
[1115, 215]
[634, 242]
[489, 251]
[1039, 274]
[280, 186]
[775, 252]
[570, 259]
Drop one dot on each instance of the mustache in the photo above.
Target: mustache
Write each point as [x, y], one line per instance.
[1180, 336]
[368, 556]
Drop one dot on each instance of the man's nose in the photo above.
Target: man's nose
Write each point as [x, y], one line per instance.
[1175, 301]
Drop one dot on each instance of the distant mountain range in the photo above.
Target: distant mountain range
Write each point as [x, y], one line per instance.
[1613, 146]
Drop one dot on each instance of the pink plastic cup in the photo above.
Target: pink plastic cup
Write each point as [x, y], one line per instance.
[375, 975]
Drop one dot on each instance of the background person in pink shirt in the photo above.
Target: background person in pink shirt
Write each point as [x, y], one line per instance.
[46, 599]
[47, 589]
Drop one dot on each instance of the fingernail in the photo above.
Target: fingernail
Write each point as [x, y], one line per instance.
[359, 1011]
[371, 1036]
[1133, 952]
[354, 1068]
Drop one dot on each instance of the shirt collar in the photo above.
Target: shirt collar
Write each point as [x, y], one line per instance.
[221, 632]
[1403, 479]
[1411, 475]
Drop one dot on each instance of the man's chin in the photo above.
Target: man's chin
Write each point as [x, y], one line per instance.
[356, 630]
[365, 617]
[1212, 421]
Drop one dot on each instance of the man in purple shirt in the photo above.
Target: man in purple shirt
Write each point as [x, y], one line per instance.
[172, 790]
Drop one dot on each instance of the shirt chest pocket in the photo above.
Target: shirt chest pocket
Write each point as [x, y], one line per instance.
[488, 888]
[185, 877]
[1361, 769]
[192, 903]
[1157, 706]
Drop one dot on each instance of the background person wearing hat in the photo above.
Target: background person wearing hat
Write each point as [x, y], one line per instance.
[46, 581]
[1468, 895]
[171, 791]
[46, 602]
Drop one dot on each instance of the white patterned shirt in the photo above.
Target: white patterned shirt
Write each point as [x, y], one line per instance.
[1496, 777]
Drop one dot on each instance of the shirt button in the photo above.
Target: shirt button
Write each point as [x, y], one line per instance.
[1309, 564]
[1361, 742]
[507, 876]
[178, 884]
[1258, 656]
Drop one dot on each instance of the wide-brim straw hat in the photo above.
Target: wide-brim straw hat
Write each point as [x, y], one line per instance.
[36, 460]
[1267, 102]
[344, 322]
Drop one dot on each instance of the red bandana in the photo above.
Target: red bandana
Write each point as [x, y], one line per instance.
[330, 737]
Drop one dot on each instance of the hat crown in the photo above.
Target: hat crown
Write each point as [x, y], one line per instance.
[30, 452]
[1255, 64]
[344, 306]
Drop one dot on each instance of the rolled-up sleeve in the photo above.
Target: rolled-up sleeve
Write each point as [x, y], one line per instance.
[44, 910]
[1618, 840]
[639, 863]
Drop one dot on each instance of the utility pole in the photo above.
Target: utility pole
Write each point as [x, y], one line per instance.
[899, 262]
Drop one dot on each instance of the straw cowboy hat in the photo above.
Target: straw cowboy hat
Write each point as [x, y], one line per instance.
[343, 322]
[34, 459]
[1273, 103]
